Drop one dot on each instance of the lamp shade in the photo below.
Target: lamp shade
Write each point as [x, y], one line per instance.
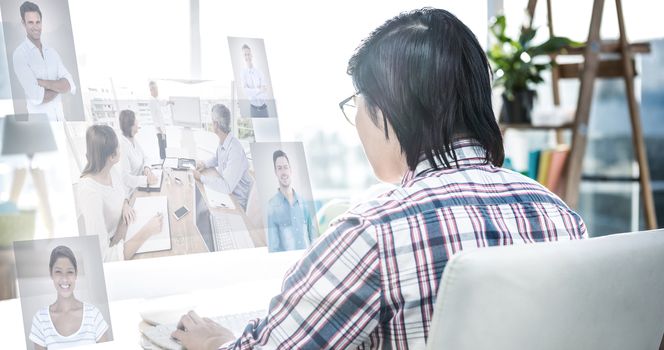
[27, 134]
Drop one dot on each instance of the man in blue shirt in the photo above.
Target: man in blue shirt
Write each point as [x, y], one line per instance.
[289, 224]
[230, 161]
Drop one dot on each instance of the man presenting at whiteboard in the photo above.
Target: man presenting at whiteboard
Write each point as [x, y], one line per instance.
[156, 108]
[39, 68]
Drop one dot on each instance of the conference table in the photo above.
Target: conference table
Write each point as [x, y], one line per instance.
[185, 237]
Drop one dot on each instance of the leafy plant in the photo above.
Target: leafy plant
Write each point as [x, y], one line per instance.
[512, 60]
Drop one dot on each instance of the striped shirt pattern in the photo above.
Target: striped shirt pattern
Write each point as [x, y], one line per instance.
[370, 281]
[43, 331]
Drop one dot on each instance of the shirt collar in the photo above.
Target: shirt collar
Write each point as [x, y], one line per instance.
[296, 199]
[227, 141]
[469, 152]
[32, 46]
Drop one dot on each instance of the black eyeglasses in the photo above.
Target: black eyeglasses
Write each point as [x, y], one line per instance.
[349, 108]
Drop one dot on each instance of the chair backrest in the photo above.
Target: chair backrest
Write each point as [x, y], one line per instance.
[601, 293]
[330, 211]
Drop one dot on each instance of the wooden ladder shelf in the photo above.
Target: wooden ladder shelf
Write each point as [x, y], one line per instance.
[593, 67]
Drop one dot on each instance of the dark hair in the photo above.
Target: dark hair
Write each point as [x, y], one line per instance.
[277, 154]
[428, 75]
[152, 83]
[62, 251]
[127, 119]
[245, 46]
[222, 116]
[29, 7]
[101, 143]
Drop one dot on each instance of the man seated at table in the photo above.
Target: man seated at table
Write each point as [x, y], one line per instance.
[230, 161]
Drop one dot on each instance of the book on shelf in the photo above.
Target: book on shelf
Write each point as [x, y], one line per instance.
[533, 163]
[543, 168]
[557, 167]
[547, 166]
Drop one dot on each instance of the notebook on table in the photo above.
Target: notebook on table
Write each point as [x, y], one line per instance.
[218, 199]
[145, 187]
[179, 163]
[145, 208]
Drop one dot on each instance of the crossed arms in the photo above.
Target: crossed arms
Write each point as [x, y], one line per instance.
[53, 87]
[39, 91]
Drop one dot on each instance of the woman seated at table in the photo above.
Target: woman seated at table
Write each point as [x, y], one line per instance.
[102, 197]
[68, 322]
[134, 162]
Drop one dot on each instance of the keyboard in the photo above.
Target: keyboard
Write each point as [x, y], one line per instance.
[159, 337]
[230, 232]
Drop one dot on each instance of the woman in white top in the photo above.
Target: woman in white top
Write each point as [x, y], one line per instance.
[102, 198]
[134, 162]
[68, 322]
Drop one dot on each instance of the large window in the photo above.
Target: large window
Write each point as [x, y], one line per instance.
[125, 38]
[308, 48]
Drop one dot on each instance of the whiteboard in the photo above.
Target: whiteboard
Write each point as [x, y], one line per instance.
[186, 111]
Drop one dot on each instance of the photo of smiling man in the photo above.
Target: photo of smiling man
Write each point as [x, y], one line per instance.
[290, 213]
[252, 77]
[42, 61]
[75, 310]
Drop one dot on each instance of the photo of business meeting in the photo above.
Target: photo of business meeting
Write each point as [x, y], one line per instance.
[208, 175]
[194, 200]
[42, 59]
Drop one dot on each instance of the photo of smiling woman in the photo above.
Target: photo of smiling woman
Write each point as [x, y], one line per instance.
[68, 321]
[62, 291]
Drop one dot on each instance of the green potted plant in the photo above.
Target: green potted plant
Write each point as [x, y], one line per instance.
[515, 69]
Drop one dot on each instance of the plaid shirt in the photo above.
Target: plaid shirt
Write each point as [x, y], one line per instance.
[370, 281]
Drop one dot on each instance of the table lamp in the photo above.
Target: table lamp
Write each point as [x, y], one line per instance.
[28, 135]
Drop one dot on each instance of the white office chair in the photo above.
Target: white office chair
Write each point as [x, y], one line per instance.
[329, 212]
[601, 293]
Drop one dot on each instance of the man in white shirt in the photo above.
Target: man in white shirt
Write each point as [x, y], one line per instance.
[254, 85]
[39, 68]
[156, 106]
[230, 161]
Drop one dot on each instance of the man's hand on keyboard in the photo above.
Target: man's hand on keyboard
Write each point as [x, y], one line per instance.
[196, 333]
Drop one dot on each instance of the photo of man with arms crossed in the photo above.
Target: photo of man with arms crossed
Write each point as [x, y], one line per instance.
[39, 69]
